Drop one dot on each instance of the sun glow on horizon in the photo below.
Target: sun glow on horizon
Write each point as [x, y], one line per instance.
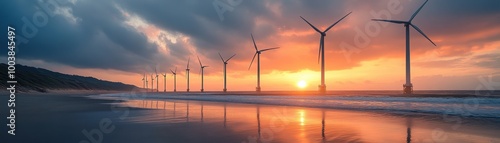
[302, 84]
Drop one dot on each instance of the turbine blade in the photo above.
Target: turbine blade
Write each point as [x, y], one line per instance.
[269, 49]
[337, 22]
[176, 70]
[310, 24]
[221, 57]
[230, 57]
[391, 21]
[188, 63]
[172, 71]
[320, 47]
[416, 12]
[420, 31]
[255, 45]
[199, 61]
[252, 60]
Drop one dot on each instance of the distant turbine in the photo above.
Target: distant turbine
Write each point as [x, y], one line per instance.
[156, 80]
[187, 74]
[144, 81]
[175, 78]
[225, 64]
[152, 82]
[164, 82]
[258, 52]
[408, 87]
[322, 87]
[146, 77]
[202, 67]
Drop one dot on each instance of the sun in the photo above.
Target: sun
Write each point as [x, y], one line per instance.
[302, 84]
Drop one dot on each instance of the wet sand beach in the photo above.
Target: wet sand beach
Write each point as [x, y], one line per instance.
[77, 118]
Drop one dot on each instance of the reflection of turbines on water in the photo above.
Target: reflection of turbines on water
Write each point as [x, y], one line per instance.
[409, 124]
[201, 112]
[174, 109]
[323, 124]
[224, 115]
[187, 111]
[258, 120]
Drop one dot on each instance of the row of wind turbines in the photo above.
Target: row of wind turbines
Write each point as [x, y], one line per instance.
[174, 73]
[407, 87]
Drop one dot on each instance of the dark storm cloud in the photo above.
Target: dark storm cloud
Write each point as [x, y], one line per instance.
[99, 39]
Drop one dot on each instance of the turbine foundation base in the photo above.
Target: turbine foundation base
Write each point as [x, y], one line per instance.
[257, 89]
[225, 90]
[187, 90]
[407, 89]
[202, 90]
[322, 88]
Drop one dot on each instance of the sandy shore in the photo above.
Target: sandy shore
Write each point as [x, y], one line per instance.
[75, 118]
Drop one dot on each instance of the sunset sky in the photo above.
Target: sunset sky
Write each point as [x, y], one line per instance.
[121, 40]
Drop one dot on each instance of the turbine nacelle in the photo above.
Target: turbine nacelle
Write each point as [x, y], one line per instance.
[174, 73]
[226, 61]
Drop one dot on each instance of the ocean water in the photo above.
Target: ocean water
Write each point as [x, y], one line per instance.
[484, 104]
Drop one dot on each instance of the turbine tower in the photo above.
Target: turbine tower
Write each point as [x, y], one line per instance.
[164, 82]
[156, 80]
[152, 82]
[322, 86]
[146, 77]
[144, 81]
[175, 78]
[225, 64]
[408, 86]
[257, 53]
[202, 67]
[187, 74]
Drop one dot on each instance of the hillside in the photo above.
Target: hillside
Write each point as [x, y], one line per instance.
[42, 80]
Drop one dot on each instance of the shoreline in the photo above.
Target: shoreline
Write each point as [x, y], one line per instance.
[370, 93]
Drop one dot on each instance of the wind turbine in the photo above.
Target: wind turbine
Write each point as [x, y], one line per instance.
[164, 82]
[144, 81]
[408, 87]
[225, 64]
[202, 67]
[322, 87]
[175, 78]
[152, 82]
[146, 77]
[257, 53]
[156, 80]
[187, 73]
